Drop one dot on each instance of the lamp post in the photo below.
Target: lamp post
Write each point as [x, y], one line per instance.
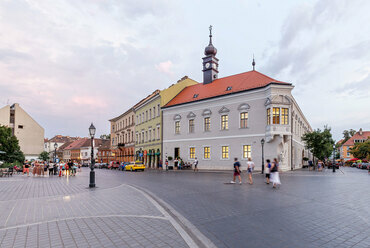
[92, 130]
[263, 157]
[334, 158]
[55, 152]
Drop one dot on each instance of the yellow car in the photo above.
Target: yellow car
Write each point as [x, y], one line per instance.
[135, 166]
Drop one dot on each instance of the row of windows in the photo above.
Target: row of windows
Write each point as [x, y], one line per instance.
[128, 121]
[128, 137]
[246, 152]
[207, 123]
[148, 136]
[148, 114]
[279, 116]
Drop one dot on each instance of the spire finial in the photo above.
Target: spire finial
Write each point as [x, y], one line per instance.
[210, 34]
[253, 63]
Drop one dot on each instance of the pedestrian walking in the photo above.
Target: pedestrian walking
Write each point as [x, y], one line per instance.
[319, 165]
[196, 164]
[250, 167]
[275, 179]
[166, 164]
[236, 171]
[26, 169]
[267, 170]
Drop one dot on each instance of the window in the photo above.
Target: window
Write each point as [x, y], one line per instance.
[153, 134]
[268, 116]
[207, 152]
[177, 127]
[284, 116]
[207, 124]
[146, 115]
[150, 114]
[159, 110]
[195, 95]
[243, 120]
[158, 133]
[228, 88]
[150, 135]
[20, 126]
[153, 112]
[191, 126]
[225, 152]
[192, 152]
[275, 115]
[246, 151]
[224, 122]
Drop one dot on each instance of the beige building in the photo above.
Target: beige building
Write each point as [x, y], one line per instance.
[29, 133]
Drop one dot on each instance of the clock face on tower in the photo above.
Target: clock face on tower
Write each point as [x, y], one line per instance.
[214, 66]
[208, 65]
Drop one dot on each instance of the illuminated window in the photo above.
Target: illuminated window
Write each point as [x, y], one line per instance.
[224, 122]
[191, 126]
[192, 152]
[207, 124]
[207, 152]
[177, 127]
[243, 120]
[225, 152]
[268, 116]
[275, 115]
[284, 116]
[247, 151]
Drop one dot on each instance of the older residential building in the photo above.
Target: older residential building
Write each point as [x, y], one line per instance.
[73, 151]
[29, 133]
[123, 136]
[104, 152]
[230, 117]
[85, 150]
[149, 122]
[59, 140]
[358, 137]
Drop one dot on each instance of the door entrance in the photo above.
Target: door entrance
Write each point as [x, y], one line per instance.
[177, 152]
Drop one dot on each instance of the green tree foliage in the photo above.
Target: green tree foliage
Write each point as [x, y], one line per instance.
[361, 150]
[44, 156]
[105, 136]
[347, 134]
[320, 143]
[10, 145]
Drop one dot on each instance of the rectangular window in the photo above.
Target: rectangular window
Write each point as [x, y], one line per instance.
[207, 124]
[158, 131]
[284, 116]
[207, 152]
[153, 112]
[247, 151]
[177, 127]
[225, 152]
[275, 115]
[224, 122]
[20, 126]
[191, 126]
[192, 152]
[243, 120]
[159, 110]
[268, 116]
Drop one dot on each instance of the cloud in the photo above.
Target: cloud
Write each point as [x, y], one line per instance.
[165, 67]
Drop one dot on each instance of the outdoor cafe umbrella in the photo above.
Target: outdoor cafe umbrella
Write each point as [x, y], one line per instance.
[353, 159]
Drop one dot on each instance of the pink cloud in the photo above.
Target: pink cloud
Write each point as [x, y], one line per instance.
[165, 67]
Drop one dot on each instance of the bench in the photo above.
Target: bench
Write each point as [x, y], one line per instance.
[6, 172]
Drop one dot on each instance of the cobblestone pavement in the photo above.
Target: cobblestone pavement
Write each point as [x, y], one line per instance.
[310, 209]
[63, 212]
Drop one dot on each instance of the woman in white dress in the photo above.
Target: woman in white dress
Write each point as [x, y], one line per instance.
[274, 173]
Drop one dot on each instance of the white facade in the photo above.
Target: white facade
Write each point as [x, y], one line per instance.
[217, 147]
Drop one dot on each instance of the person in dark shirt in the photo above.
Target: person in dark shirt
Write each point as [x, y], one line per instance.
[236, 171]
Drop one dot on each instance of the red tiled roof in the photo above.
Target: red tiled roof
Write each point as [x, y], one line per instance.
[238, 83]
[365, 135]
[76, 144]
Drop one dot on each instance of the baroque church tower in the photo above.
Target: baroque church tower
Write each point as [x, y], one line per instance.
[210, 62]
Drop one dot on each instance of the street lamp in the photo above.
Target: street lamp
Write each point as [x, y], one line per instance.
[55, 152]
[92, 130]
[334, 158]
[263, 157]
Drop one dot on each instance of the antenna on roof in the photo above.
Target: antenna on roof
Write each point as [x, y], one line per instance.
[253, 62]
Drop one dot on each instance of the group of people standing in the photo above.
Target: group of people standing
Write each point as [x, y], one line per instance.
[271, 172]
[41, 168]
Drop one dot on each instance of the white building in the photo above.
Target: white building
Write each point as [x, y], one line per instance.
[29, 133]
[228, 117]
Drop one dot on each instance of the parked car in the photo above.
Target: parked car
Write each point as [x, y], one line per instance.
[365, 166]
[353, 164]
[97, 165]
[135, 166]
[330, 166]
[85, 164]
[113, 165]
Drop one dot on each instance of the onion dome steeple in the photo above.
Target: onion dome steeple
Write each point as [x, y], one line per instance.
[210, 49]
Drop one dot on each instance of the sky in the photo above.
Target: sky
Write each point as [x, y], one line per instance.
[71, 62]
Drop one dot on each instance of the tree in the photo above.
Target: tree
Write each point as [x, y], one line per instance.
[44, 156]
[105, 136]
[361, 150]
[320, 143]
[10, 145]
[347, 134]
